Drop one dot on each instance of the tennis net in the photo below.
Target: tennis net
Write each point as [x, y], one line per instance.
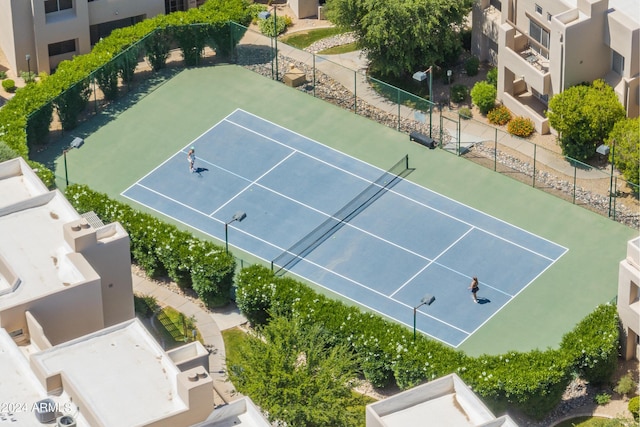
[318, 235]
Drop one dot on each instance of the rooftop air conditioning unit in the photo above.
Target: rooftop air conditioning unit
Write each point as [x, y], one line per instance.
[66, 421]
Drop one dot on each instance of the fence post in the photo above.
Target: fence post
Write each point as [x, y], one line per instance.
[355, 96]
[575, 172]
[535, 148]
[398, 111]
[314, 75]
[495, 150]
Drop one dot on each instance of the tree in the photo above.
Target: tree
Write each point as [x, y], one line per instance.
[292, 372]
[584, 115]
[483, 94]
[403, 36]
[626, 137]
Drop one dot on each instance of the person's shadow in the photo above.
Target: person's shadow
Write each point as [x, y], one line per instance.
[483, 300]
[200, 170]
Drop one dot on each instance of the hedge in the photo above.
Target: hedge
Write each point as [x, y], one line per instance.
[533, 381]
[115, 56]
[162, 248]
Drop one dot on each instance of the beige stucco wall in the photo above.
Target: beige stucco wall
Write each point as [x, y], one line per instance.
[628, 299]
[111, 259]
[64, 315]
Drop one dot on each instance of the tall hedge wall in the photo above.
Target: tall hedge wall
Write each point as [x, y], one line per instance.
[534, 381]
[66, 91]
[162, 248]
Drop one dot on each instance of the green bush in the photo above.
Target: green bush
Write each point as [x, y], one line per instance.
[161, 248]
[9, 85]
[6, 153]
[484, 96]
[386, 351]
[520, 126]
[268, 28]
[499, 116]
[634, 407]
[471, 66]
[492, 77]
[594, 345]
[459, 93]
[145, 305]
[602, 398]
[626, 385]
[3, 74]
[465, 113]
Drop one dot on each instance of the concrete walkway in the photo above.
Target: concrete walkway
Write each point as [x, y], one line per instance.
[349, 69]
[210, 323]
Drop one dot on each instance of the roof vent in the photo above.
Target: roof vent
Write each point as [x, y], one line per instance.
[66, 421]
[45, 410]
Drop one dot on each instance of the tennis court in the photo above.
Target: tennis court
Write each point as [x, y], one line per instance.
[359, 231]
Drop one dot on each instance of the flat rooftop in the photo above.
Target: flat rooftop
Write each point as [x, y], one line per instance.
[20, 390]
[32, 244]
[120, 372]
[447, 401]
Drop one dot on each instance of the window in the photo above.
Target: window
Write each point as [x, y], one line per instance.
[617, 62]
[540, 35]
[99, 31]
[174, 6]
[548, 17]
[51, 6]
[62, 47]
[496, 3]
[538, 9]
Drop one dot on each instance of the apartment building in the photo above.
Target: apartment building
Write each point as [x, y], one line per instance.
[72, 352]
[629, 300]
[542, 47]
[36, 35]
[447, 398]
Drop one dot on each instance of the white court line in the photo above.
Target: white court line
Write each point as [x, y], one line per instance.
[401, 194]
[254, 182]
[329, 215]
[301, 259]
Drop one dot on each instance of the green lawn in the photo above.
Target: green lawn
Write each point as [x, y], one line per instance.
[303, 39]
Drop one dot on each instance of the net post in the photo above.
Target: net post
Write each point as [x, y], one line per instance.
[272, 266]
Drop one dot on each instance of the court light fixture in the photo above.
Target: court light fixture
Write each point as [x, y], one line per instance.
[422, 76]
[76, 143]
[238, 216]
[428, 299]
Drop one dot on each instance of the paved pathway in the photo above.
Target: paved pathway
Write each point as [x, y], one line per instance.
[209, 323]
[349, 69]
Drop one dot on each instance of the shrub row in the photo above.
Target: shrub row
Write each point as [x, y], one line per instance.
[27, 116]
[533, 381]
[161, 248]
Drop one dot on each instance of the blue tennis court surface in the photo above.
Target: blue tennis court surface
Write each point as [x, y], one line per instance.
[405, 243]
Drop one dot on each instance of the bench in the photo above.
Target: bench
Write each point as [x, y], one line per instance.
[421, 138]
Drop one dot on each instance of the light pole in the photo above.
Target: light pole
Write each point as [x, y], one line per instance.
[428, 299]
[76, 143]
[28, 58]
[420, 76]
[604, 150]
[238, 216]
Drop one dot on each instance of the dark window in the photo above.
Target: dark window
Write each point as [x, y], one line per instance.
[174, 5]
[57, 5]
[496, 3]
[540, 35]
[99, 31]
[538, 9]
[617, 63]
[62, 47]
